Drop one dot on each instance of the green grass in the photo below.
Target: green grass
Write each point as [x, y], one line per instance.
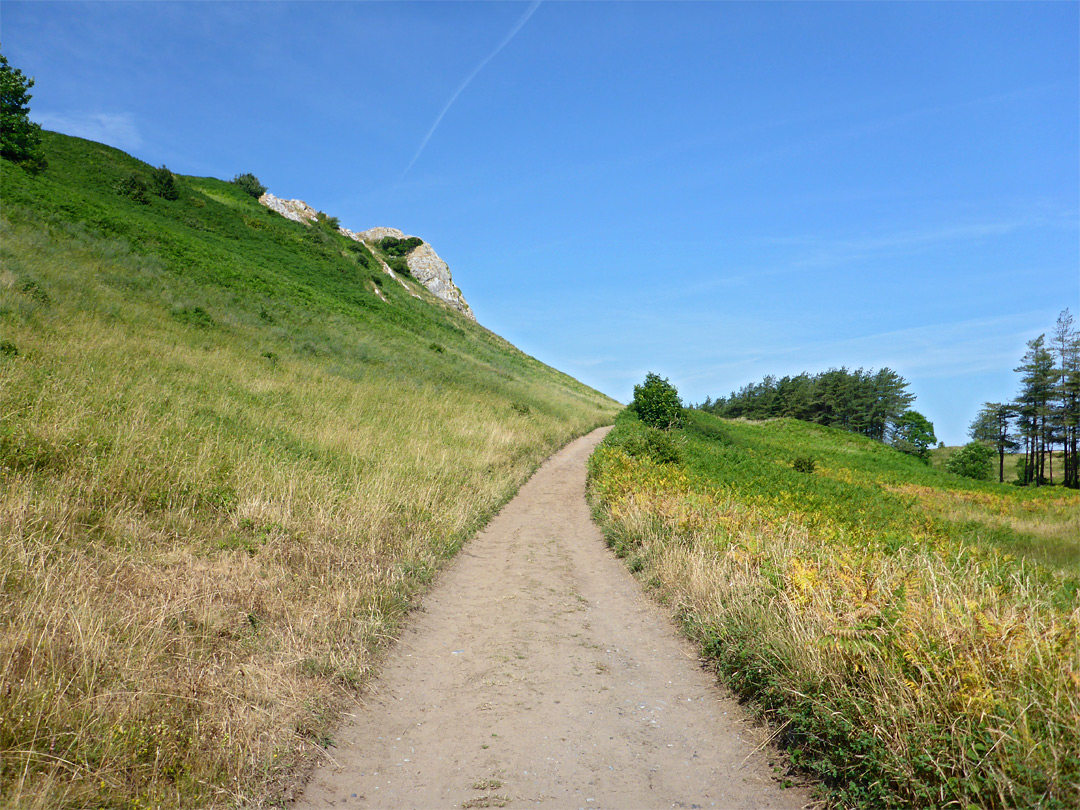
[913, 634]
[227, 468]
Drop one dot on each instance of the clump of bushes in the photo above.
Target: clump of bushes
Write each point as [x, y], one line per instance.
[250, 184]
[134, 188]
[973, 460]
[657, 404]
[804, 464]
[399, 265]
[641, 441]
[163, 183]
[393, 246]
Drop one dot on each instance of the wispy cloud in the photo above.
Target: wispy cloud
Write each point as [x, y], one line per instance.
[468, 79]
[114, 129]
[950, 349]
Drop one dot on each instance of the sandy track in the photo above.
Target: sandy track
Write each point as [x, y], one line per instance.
[539, 675]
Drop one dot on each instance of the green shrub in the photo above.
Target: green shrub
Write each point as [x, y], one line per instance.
[399, 265]
[973, 460]
[250, 184]
[163, 183]
[393, 246]
[804, 464]
[134, 187]
[327, 221]
[657, 403]
[195, 316]
[652, 443]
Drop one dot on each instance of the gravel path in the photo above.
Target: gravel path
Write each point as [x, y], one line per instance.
[539, 675]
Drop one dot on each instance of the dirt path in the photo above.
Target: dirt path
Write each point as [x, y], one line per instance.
[539, 675]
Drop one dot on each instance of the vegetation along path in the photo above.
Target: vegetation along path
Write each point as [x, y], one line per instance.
[539, 675]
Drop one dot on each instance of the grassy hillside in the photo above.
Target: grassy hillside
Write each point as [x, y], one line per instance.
[226, 468]
[914, 635]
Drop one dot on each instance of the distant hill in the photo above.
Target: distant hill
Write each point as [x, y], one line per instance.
[232, 450]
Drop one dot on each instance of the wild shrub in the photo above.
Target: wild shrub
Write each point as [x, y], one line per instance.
[804, 464]
[639, 440]
[657, 403]
[250, 184]
[973, 460]
[327, 221]
[134, 188]
[163, 183]
[393, 246]
[399, 265]
[195, 316]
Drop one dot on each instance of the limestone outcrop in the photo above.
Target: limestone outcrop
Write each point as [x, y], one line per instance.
[428, 268]
[296, 210]
[424, 263]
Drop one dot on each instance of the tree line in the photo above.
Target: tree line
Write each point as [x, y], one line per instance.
[1045, 414]
[873, 403]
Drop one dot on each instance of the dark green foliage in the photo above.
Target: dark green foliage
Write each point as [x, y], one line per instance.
[399, 265]
[804, 464]
[196, 316]
[865, 402]
[393, 246]
[134, 188]
[913, 433]
[657, 404]
[163, 183]
[8, 349]
[360, 250]
[639, 440]
[520, 408]
[327, 221]
[1047, 409]
[20, 138]
[250, 184]
[33, 290]
[974, 460]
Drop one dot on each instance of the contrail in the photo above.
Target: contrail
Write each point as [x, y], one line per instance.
[461, 87]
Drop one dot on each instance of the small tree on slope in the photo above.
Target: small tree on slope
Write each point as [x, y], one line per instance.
[657, 403]
[20, 138]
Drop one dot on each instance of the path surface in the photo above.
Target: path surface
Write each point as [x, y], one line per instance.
[539, 675]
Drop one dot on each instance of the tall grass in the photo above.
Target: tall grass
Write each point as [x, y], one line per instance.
[226, 470]
[904, 657]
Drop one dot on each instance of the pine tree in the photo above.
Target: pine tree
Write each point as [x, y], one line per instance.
[1033, 404]
[993, 425]
[1066, 412]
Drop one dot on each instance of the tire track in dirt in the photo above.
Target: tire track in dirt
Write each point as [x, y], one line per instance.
[539, 675]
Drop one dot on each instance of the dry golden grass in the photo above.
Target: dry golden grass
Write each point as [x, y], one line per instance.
[203, 550]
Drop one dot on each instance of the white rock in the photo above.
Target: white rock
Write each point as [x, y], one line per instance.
[296, 210]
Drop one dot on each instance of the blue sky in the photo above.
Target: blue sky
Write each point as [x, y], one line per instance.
[710, 191]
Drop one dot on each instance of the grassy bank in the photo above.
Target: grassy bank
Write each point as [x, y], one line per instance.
[913, 635]
[227, 467]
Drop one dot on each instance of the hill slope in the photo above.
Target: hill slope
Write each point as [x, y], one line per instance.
[231, 451]
[915, 635]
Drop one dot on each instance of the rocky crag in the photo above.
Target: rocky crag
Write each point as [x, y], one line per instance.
[424, 263]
